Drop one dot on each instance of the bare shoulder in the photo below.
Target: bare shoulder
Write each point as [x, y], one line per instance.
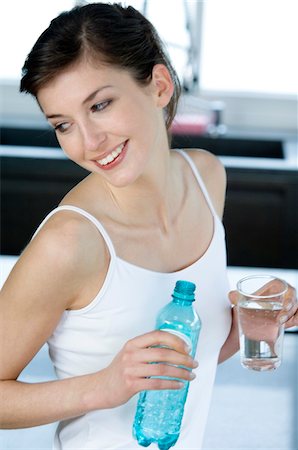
[62, 268]
[51, 276]
[62, 255]
[73, 243]
[213, 174]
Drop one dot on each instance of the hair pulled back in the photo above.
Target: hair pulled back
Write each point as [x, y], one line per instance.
[107, 33]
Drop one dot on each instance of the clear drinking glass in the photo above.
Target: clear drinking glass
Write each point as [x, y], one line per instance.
[261, 299]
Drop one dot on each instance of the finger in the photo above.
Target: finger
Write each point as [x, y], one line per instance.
[290, 305]
[290, 319]
[289, 309]
[163, 370]
[167, 355]
[234, 297]
[266, 289]
[293, 322]
[272, 287]
[160, 338]
[157, 384]
[290, 299]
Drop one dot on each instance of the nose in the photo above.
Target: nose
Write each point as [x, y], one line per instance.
[92, 136]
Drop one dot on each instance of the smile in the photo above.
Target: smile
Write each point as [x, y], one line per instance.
[112, 156]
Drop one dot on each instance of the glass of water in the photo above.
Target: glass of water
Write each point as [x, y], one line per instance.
[261, 299]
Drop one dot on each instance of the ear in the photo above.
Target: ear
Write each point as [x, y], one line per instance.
[162, 84]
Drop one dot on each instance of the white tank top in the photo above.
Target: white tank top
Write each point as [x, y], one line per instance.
[86, 340]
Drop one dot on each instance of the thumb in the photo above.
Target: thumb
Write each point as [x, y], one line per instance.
[233, 297]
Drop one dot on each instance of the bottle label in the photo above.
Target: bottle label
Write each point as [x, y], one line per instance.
[182, 336]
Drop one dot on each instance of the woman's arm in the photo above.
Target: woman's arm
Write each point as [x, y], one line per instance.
[27, 405]
[231, 345]
[46, 280]
[60, 270]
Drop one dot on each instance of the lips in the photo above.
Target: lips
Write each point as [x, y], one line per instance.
[113, 158]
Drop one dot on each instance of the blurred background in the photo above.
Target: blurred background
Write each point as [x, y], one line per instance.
[238, 66]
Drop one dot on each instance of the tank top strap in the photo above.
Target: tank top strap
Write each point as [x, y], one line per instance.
[88, 216]
[199, 180]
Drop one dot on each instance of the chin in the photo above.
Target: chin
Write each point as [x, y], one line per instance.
[122, 180]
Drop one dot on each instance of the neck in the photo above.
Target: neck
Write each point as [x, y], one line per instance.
[155, 199]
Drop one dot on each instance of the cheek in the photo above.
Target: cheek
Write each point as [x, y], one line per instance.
[70, 147]
[139, 116]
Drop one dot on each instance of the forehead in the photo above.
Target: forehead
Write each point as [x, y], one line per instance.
[76, 82]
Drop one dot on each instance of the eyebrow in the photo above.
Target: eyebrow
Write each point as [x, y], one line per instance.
[87, 99]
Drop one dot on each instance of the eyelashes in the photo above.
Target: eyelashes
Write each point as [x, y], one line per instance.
[100, 106]
[97, 107]
[62, 127]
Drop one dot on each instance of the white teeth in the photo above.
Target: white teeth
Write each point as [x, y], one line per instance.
[108, 159]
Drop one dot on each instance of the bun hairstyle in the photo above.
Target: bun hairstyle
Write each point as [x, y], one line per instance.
[100, 32]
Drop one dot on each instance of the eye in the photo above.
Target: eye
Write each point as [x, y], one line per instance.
[100, 106]
[62, 127]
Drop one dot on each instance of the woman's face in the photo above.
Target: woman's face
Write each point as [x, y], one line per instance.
[104, 120]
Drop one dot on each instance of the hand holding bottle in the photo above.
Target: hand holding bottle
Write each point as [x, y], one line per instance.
[132, 370]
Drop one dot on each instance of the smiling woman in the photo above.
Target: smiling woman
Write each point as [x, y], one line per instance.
[88, 118]
[102, 264]
[104, 82]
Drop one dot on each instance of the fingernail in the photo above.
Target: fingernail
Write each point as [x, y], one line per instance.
[187, 348]
[192, 376]
[283, 319]
[289, 306]
[195, 363]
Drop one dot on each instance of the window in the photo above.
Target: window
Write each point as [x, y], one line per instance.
[250, 46]
[249, 61]
[172, 32]
[21, 24]
[242, 52]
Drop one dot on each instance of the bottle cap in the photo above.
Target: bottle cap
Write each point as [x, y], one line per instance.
[184, 290]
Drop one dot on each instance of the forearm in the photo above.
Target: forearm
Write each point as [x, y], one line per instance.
[27, 405]
[231, 345]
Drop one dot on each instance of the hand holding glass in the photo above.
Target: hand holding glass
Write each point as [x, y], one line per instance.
[261, 298]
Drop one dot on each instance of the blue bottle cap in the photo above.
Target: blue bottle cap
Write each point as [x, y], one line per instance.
[184, 290]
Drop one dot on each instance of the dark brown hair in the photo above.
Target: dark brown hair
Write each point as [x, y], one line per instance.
[109, 33]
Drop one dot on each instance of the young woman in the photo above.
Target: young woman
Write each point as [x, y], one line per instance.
[104, 262]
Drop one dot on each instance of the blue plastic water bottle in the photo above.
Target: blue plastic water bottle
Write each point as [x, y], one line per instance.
[159, 413]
